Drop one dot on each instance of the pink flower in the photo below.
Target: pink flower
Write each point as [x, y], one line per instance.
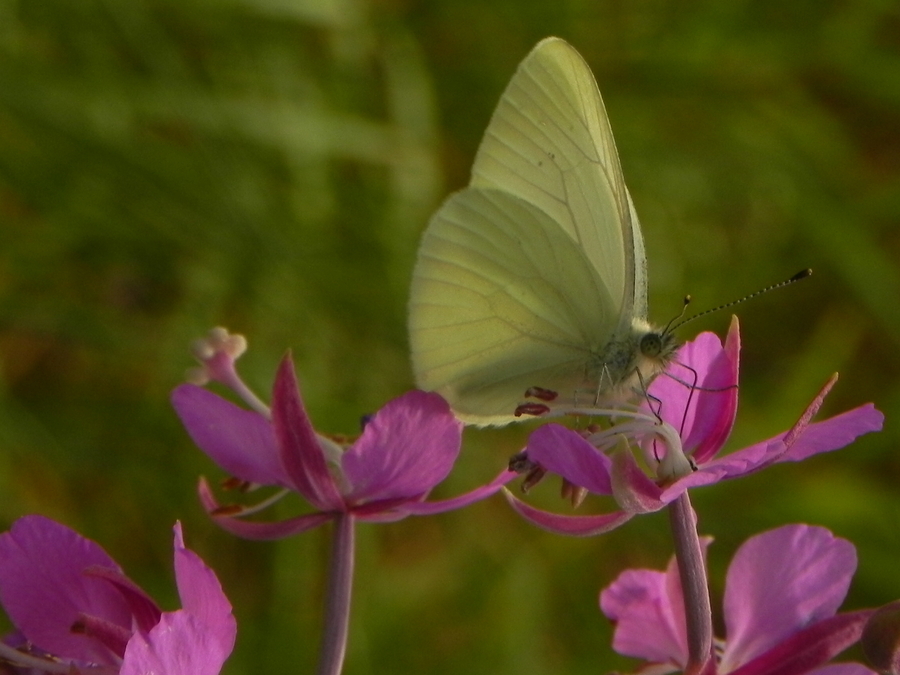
[698, 395]
[406, 448]
[782, 593]
[69, 600]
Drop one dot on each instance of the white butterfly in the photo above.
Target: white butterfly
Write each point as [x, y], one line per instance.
[533, 278]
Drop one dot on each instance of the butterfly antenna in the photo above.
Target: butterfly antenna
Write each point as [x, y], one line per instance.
[802, 274]
[669, 328]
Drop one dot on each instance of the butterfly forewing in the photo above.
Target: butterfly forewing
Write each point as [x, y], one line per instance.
[501, 301]
[549, 142]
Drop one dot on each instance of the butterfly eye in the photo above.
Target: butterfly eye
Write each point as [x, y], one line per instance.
[651, 345]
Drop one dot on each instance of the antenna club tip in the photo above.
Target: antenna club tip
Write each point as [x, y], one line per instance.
[802, 274]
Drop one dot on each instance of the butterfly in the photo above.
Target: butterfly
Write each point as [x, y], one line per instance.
[529, 292]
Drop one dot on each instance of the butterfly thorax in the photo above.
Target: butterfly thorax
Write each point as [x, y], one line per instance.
[626, 366]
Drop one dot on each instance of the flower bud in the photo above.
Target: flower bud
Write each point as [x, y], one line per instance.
[881, 639]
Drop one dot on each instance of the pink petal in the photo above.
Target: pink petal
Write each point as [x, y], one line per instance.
[440, 506]
[808, 650]
[706, 385]
[382, 511]
[180, 644]
[632, 488]
[201, 594]
[717, 404]
[573, 526]
[240, 441]
[272, 530]
[836, 432]
[780, 582]
[734, 465]
[649, 615]
[565, 453]
[257, 530]
[693, 363]
[843, 669]
[826, 436]
[301, 453]
[144, 611]
[407, 448]
[44, 589]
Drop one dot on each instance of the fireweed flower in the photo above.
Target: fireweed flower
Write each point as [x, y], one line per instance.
[679, 431]
[782, 592]
[74, 608]
[406, 448]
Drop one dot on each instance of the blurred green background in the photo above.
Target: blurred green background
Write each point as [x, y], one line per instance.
[268, 165]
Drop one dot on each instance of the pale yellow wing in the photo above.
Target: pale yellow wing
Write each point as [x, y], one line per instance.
[549, 142]
[534, 275]
[503, 300]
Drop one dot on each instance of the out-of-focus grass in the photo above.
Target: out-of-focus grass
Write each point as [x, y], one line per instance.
[268, 166]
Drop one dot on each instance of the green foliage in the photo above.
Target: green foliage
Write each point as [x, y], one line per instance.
[268, 165]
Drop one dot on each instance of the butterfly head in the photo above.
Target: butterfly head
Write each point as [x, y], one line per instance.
[658, 345]
[654, 349]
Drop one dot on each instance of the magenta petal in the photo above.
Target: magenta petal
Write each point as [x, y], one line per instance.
[780, 582]
[440, 506]
[843, 669]
[712, 418]
[301, 453]
[201, 594]
[112, 636]
[180, 644]
[143, 609]
[573, 526]
[835, 432]
[707, 376]
[407, 448]
[649, 620]
[382, 510]
[256, 530]
[565, 453]
[698, 363]
[826, 436]
[633, 490]
[44, 589]
[734, 465]
[272, 530]
[809, 649]
[678, 385]
[240, 441]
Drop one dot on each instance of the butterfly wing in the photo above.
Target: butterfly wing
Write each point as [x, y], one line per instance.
[526, 276]
[549, 142]
[502, 300]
